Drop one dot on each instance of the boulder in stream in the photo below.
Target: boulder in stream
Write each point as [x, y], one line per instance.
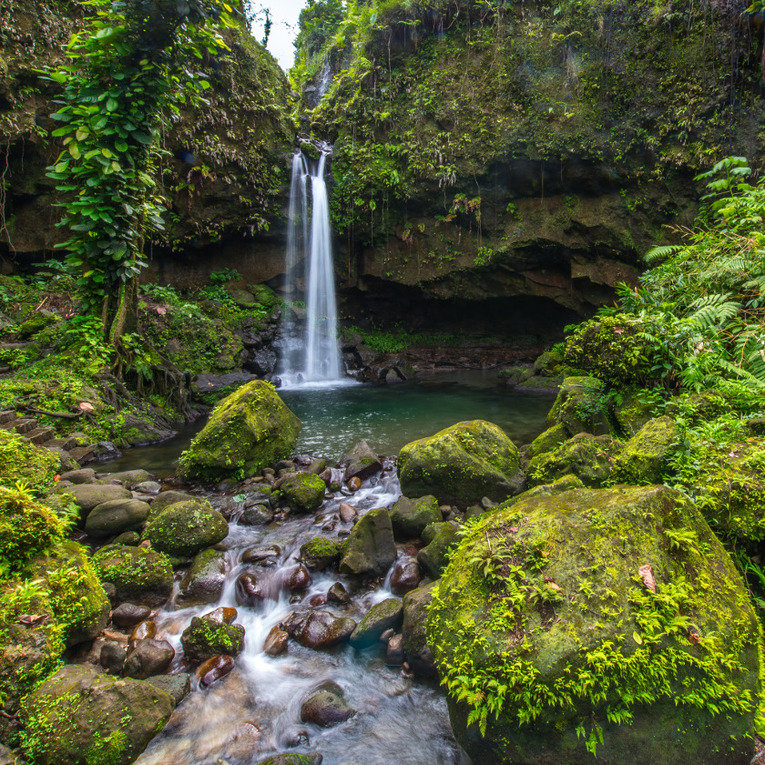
[115, 516]
[204, 581]
[206, 637]
[139, 575]
[319, 553]
[326, 706]
[370, 549]
[320, 629]
[149, 657]
[247, 431]
[303, 492]
[410, 516]
[361, 462]
[186, 528]
[382, 616]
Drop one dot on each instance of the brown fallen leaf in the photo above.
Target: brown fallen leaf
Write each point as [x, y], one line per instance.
[694, 637]
[32, 619]
[646, 574]
[86, 406]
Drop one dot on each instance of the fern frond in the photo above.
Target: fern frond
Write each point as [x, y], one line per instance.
[662, 252]
[714, 311]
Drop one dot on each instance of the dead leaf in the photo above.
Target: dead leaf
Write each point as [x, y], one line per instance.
[555, 587]
[161, 311]
[694, 637]
[32, 619]
[646, 574]
[86, 407]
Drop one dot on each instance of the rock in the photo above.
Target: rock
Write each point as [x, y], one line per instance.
[304, 492]
[292, 759]
[634, 411]
[296, 579]
[206, 637]
[82, 475]
[414, 640]
[547, 441]
[262, 556]
[579, 407]
[178, 686]
[130, 538]
[321, 629]
[139, 575]
[440, 538]
[405, 576]
[643, 459]
[214, 669]
[382, 616]
[320, 553]
[394, 654]
[240, 744]
[143, 631]
[248, 430]
[127, 615]
[588, 457]
[186, 528]
[223, 614]
[203, 582]
[347, 513]
[409, 517]
[165, 499]
[276, 641]
[112, 656]
[256, 515]
[116, 516]
[128, 478]
[80, 716]
[610, 625]
[89, 495]
[338, 594]
[461, 464]
[361, 462]
[149, 657]
[370, 549]
[326, 706]
[148, 487]
[354, 484]
[78, 600]
[252, 588]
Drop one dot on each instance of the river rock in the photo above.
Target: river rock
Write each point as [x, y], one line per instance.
[322, 629]
[82, 475]
[612, 625]
[414, 640]
[409, 517]
[370, 549]
[354, 484]
[151, 488]
[579, 407]
[338, 594]
[203, 582]
[347, 513]
[206, 637]
[186, 528]
[382, 616]
[304, 492]
[128, 478]
[112, 656]
[167, 498]
[394, 654]
[588, 457]
[320, 553]
[246, 431]
[79, 715]
[361, 462]
[252, 588]
[405, 576]
[127, 615]
[296, 579]
[643, 459]
[89, 495]
[223, 614]
[138, 574]
[326, 706]
[214, 669]
[143, 631]
[262, 556]
[276, 641]
[440, 538]
[178, 685]
[149, 657]
[461, 464]
[116, 516]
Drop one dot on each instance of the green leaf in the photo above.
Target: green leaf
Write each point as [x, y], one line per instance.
[111, 105]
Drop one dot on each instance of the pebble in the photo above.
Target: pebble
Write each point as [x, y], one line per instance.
[214, 669]
[347, 512]
[276, 641]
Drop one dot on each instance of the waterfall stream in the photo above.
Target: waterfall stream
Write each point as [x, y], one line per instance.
[310, 356]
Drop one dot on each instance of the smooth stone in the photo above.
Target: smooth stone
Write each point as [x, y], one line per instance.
[354, 484]
[361, 462]
[222, 615]
[256, 515]
[83, 475]
[251, 589]
[326, 707]
[382, 616]
[115, 516]
[276, 641]
[146, 629]
[214, 669]
[149, 657]
[127, 615]
[347, 513]
[90, 495]
[405, 576]
[204, 581]
[394, 656]
[112, 656]
[338, 594]
[148, 487]
[262, 556]
[167, 498]
[321, 629]
[178, 686]
[370, 549]
[297, 578]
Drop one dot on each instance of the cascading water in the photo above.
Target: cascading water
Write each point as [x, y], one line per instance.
[311, 356]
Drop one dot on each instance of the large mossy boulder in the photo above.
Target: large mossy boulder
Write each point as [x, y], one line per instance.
[247, 431]
[410, 516]
[588, 457]
[20, 460]
[440, 538]
[579, 407]
[304, 492]
[111, 518]
[138, 574]
[81, 717]
[207, 636]
[186, 528]
[461, 464]
[644, 458]
[612, 612]
[370, 549]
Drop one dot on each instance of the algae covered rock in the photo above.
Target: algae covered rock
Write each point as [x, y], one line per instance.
[21, 460]
[206, 637]
[319, 553]
[139, 575]
[579, 407]
[204, 581]
[586, 456]
[370, 549]
[644, 457]
[415, 643]
[303, 491]
[186, 528]
[461, 464]
[410, 516]
[547, 440]
[248, 430]
[439, 540]
[616, 611]
[79, 716]
[384, 615]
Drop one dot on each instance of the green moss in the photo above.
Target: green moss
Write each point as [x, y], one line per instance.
[205, 638]
[22, 461]
[185, 528]
[137, 573]
[586, 456]
[645, 457]
[320, 552]
[303, 491]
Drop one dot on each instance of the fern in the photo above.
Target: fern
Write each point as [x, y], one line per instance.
[661, 252]
[714, 311]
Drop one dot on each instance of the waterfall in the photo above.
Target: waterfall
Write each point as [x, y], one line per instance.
[312, 356]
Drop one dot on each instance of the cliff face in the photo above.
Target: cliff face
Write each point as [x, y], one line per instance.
[226, 165]
[489, 150]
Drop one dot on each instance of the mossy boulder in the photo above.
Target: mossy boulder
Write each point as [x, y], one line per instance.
[81, 717]
[303, 491]
[204, 581]
[415, 642]
[370, 549]
[115, 516]
[384, 615]
[410, 516]
[613, 610]
[139, 574]
[643, 459]
[90, 495]
[461, 464]
[319, 553]
[579, 407]
[27, 527]
[547, 440]
[20, 460]
[588, 457]
[439, 540]
[206, 637]
[247, 431]
[165, 499]
[186, 528]
[633, 410]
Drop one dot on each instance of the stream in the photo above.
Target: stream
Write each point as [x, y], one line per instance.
[255, 710]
